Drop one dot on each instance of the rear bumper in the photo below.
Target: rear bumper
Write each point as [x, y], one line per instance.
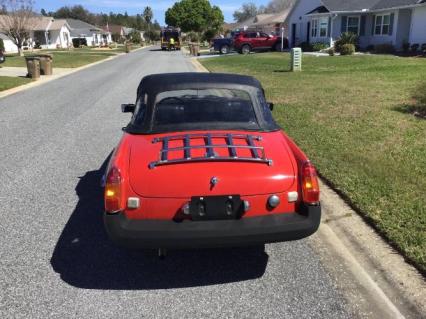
[139, 234]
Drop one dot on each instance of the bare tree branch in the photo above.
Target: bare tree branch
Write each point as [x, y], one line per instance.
[18, 21]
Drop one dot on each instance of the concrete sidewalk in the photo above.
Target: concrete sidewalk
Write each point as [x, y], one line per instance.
[22, 72]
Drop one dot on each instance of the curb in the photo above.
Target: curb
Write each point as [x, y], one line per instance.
[53, 77]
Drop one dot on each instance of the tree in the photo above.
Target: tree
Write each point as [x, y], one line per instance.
[18, 21]
[135, 36]
[148, 15]
[194, 15]
[275, 6]
[75, 12]
[43, 13]
[247, 11]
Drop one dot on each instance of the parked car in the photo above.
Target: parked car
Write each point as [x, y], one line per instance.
[202, 163]
[249, 41]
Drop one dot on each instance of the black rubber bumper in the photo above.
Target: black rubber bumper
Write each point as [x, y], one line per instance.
[141, 234]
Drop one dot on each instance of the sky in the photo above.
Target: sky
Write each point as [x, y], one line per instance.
[134, 6]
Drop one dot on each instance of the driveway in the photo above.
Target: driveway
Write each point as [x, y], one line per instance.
[55, 257]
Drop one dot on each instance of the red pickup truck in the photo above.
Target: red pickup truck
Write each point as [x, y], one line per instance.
[249, 41]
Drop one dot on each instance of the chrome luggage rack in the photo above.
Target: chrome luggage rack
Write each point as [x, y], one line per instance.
[257, 152]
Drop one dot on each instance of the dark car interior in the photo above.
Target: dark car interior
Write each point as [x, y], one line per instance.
[206, 109]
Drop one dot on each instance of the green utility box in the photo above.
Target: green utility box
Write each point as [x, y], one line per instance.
[296, 59]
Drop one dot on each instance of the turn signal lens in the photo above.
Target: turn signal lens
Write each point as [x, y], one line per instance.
[113, 200]
[310, 185]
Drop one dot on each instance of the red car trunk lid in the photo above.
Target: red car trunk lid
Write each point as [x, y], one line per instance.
[236, 173]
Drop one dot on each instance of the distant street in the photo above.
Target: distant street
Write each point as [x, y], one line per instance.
[56, 260]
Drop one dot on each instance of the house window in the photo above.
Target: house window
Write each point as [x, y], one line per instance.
[382, 24]
[353, 25]
[323, 29]
[319, 27]
[314, 28]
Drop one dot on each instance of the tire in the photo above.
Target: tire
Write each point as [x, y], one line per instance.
[224, 49]
[245, 49]
[277, 47]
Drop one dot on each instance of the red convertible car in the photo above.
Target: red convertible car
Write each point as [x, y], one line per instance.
[202, 163]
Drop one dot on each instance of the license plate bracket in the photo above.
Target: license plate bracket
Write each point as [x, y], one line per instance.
[215, 207]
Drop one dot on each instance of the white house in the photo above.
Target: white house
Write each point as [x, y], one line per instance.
[374, 21]
[9, 46]
[50, 33]
[45, 32]
[93, 35]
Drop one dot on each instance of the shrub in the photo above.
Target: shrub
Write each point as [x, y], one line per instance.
[369, 48]
[423, 48]
[135, 37]
[306, 47]
[319, 46]
[415, 47]
[346, 38]
[79, 42]
[347, 49]
[419, 94]
[331, 52]
[2, 49]
[384, 49]
[405, 47]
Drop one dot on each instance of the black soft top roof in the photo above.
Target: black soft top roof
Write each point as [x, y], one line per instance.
[155, 83]
[152, 85]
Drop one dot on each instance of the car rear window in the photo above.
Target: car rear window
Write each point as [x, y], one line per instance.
[204, 109]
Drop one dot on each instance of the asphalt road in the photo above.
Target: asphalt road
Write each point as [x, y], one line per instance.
[55, 258]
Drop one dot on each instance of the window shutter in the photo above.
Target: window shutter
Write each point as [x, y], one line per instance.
[362, 31]
[344, 24]
[373, 25]
[392, 18]
[329, 27]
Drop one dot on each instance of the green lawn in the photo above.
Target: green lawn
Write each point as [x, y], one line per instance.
[7, 82]
[348, 115]
[64, 59]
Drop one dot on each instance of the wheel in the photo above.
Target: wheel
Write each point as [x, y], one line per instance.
[245, 49]
[278, 47]
[224, 49]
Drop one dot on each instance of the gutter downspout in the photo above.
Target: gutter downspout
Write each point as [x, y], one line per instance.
[333, 17]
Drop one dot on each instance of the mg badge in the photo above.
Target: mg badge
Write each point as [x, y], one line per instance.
[213, 181]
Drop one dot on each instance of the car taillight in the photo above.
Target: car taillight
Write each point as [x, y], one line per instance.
[310, 186]
[113, 198]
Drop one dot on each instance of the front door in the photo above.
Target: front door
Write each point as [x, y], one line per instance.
[308, 33]
[293, 35]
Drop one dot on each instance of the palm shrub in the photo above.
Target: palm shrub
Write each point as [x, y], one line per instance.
[420, 97]
[346, 38]
[347, 49]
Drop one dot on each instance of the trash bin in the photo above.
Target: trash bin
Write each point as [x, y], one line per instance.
[128, 47]
[190, 46]
[196, 49]
[33, 67]
[45, 64]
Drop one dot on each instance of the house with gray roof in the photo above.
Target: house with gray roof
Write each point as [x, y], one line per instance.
[45, 33]
[93, 35]
[375, 21]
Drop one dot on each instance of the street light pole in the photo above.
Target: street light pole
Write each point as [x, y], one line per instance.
[282, 39]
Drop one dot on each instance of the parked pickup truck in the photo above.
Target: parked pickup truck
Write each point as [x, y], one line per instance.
[224, 45]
